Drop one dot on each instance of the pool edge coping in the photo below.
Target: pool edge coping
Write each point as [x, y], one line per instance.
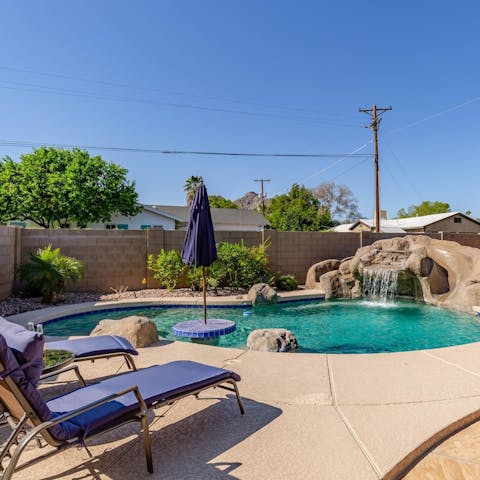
[45, 315]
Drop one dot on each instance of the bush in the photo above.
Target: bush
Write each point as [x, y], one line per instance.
[238, 266]
[46, 273]
[167, 268]
[286, 283]
[195, 277]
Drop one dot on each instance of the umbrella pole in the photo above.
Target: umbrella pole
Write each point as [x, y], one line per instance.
[204, 296]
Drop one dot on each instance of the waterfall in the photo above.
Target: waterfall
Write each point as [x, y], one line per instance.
[380, 284]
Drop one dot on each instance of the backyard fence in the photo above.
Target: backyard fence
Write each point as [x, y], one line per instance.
[116, 258]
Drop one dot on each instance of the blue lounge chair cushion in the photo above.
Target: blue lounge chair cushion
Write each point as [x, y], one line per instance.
[27, 347]
[157, 383]
[15, 371]
[91, 346]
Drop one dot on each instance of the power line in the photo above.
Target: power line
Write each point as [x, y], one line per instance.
[169, 92]
[354, 153]
[355, 165]
[45, 89]
[31, 144]
[434, 115]
[402, 168]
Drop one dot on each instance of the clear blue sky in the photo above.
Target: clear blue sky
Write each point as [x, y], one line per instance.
[325, 59]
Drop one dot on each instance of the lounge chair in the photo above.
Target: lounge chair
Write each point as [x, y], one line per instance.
[84, 349]
[79, 415]
[94, 348]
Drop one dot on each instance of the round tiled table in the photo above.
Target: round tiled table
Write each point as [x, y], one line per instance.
[214, 328]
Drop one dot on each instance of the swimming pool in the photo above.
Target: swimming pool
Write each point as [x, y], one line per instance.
[334, 326]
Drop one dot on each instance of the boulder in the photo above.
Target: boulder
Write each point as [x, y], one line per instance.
[330, 284]
[317, 270]
[139, 331]
[262, 293]
[272, 340]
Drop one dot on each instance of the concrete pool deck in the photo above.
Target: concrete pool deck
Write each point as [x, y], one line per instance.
[308, 416]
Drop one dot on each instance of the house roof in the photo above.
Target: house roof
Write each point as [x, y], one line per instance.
[344, 227]
[158, 211]
[425, 220]
[224, 216]
[385, 226]
[410, 223]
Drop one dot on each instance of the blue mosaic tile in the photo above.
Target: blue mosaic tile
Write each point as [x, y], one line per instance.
[215, 327]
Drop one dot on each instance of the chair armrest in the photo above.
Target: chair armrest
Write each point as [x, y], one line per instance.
[63, 370]
[91, 406]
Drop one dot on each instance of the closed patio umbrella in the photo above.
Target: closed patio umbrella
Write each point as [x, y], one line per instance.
[199, 247]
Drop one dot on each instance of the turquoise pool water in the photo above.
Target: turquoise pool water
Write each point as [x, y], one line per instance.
[329, 326]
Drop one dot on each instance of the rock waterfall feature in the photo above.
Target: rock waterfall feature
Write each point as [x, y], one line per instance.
[439, 272]
[379, 284]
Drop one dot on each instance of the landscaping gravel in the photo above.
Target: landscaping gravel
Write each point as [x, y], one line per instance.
[14, 305]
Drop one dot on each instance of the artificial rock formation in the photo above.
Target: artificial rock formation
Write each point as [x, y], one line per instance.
[272, 340]
[439, 272]
[261, 294]
[139, 331]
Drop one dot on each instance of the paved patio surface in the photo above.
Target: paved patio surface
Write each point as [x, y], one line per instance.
[458, 458]
[308, 416]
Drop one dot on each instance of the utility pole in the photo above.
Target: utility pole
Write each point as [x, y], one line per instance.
[262, 196]
[375, 113]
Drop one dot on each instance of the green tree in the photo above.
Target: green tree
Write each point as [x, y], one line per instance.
[298, 210]
[424, 208]
[190, 186]
[55, 188]
[217, 201]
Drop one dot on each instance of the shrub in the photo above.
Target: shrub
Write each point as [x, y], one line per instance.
[167, 268]
[238, 266]
[286, 282]
[195, 277]
[46, 273]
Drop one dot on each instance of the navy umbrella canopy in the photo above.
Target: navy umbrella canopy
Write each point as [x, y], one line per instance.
[199, 247]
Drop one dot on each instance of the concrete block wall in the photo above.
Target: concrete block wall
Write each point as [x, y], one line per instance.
[115, 258]
[467, 239]
[111, 258]
[8, 257]
[295, 252]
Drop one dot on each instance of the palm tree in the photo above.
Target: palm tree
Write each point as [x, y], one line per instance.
[47, 272]
[190, 187]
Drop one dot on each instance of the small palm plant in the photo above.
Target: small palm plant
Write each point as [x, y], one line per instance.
[47, 272]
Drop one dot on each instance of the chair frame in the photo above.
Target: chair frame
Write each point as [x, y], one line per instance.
[127, 357]
[39, 428]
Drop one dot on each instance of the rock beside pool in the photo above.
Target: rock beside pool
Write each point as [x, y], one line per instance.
[139, 331]
[262, 293]
[272, 340]
[317, 270]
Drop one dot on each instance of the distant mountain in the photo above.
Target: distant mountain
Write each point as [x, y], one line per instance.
[250, 201]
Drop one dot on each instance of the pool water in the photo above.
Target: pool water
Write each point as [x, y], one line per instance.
[338, 326]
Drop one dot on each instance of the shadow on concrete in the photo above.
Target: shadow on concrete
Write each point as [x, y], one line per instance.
[185, 449]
